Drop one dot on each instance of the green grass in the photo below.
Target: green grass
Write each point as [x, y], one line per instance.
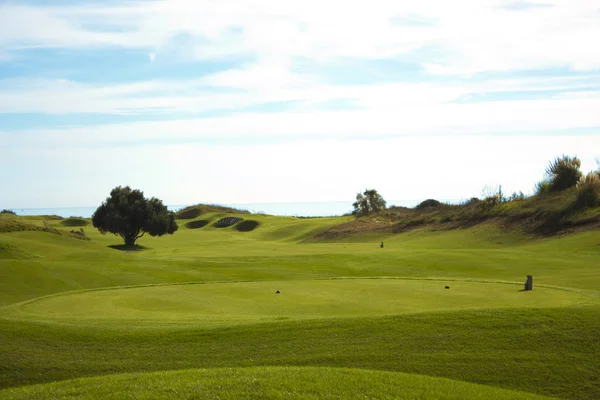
[223, 304]
[205, 298]
[267, 383]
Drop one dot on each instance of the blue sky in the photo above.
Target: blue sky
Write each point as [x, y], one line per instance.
[283, 101]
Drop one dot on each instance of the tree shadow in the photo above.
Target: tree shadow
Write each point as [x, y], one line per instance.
[124, 247]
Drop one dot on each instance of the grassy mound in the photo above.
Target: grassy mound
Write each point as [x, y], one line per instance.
[550, 352]
[192, 212]
[223, 304]
[247, 226]
[546, 214]
[10, 225]
[197, 224]
[74, 221]
[266, 383]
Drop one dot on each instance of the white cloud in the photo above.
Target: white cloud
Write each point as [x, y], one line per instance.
[471, 35]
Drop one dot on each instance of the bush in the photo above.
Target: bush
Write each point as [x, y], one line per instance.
[564, 173]
[429, 203]
[74, 221]
[5, 211]
[517, 197]
[588, 191]
[542, 188]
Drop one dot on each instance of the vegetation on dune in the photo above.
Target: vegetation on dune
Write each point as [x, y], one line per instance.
[588, 191]
[563, 173]
[129, 214]
[74, 221]
[11, 225]
[566, 200]
[5, 211]
[429, 203]
[368, 202]
[192, 212]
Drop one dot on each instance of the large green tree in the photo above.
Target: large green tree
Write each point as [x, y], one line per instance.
[129, 214]
[368, 202]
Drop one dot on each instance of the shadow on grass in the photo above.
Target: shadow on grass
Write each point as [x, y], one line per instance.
[124, 247]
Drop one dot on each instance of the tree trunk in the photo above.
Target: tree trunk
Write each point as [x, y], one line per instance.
[129, 240]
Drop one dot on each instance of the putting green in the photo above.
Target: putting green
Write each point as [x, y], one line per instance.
[251, 302]
[265, 383]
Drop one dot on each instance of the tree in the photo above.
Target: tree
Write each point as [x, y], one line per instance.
[368, 202]
[129, 214]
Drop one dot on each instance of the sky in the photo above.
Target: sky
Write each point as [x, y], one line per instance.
[261, 101]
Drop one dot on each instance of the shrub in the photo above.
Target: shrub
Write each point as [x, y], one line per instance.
[5, 211]
[542, 188]
[517, 196]
[74, 221]
[564, 173]
[588, 191]
[429, 203]
[472, 201]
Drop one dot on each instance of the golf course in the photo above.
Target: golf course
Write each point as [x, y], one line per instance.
[275, 307]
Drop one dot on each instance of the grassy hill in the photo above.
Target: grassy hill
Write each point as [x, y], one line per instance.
[357, 318]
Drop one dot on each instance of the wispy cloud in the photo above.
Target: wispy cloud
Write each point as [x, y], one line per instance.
[281, 76]
[476, 35]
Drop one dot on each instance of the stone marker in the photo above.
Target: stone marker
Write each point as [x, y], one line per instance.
[529, 283]
[381, 245]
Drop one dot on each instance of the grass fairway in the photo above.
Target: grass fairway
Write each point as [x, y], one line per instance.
[199, 310]
[267, 383]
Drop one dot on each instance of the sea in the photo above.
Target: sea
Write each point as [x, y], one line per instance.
[307, 209]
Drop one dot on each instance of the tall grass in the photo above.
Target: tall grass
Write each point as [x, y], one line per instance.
[588, 191]
[564, 173]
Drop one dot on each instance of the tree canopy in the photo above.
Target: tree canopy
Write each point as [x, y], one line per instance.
[368, 202]
[129, 214]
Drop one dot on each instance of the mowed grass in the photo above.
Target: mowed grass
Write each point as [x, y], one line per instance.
[222, 304]
[71, 308]
[266, 383]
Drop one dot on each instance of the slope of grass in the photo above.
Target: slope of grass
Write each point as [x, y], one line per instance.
[549, 214]
[266, 383]
[545, 351]
[328, 313]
